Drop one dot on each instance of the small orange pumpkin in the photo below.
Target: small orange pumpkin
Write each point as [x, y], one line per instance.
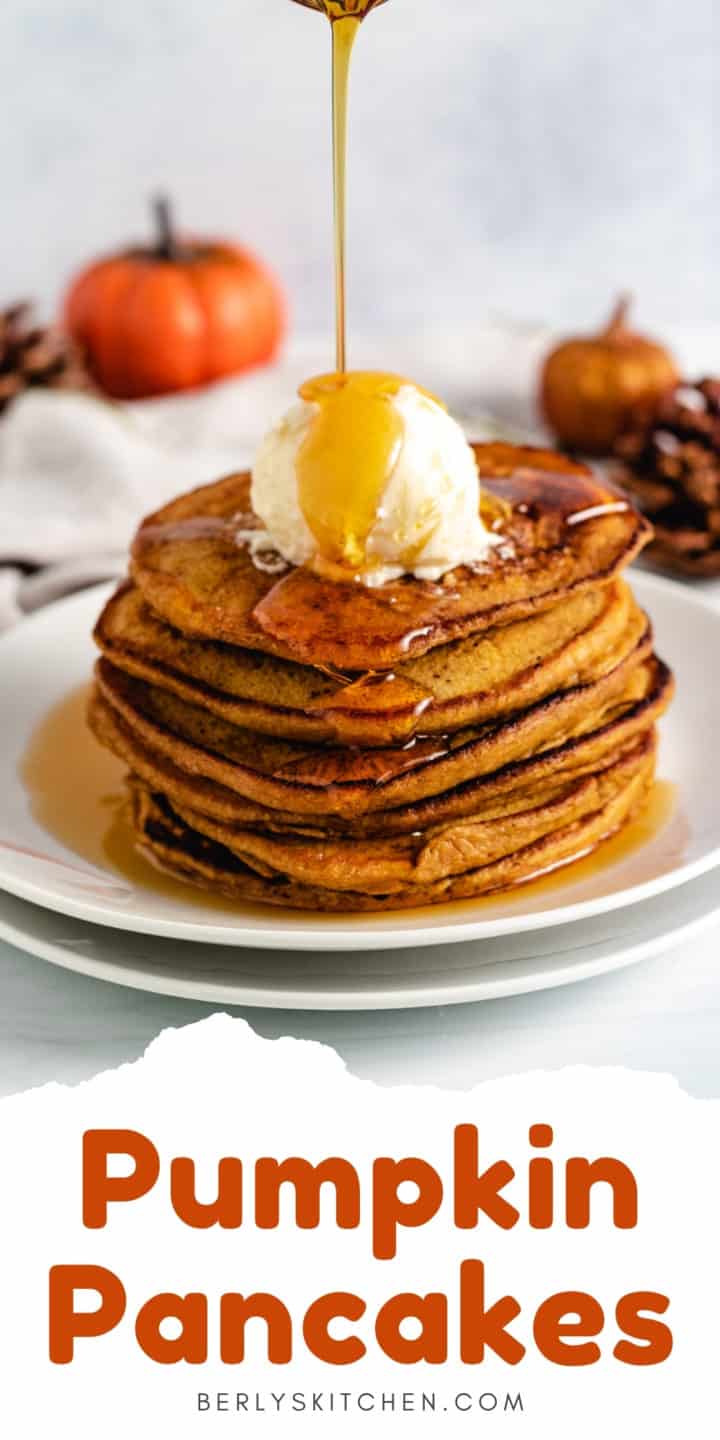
[174, 316]
[591, 385]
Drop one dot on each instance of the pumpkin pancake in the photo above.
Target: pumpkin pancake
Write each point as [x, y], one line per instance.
[319, 780]
[386, 866]
[307, 741]
[483, 677]
[521, 784]
[563, 532]
[178, 849]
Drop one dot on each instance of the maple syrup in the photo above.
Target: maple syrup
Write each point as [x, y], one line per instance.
[346, 461]
[345, 17]
[658, 815]
[400, 618]
[77, 795]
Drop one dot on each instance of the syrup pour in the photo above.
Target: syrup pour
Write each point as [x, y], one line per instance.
[345, 17]
[347, 459]
[344, 35]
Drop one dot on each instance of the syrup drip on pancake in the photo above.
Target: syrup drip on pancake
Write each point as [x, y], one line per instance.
[564, 527]
[541, 510]
[376, 766]
[346, 462]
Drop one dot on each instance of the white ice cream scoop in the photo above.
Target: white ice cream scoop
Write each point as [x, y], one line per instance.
[370, 476]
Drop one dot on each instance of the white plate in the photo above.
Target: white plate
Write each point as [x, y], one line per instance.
[372, 980]
[51, 654]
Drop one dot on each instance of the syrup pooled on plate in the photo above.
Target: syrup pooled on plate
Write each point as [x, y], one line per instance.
[75, 789]
[77, 794]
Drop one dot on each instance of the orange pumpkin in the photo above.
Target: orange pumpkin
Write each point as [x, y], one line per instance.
[175, 316]
[591, 385]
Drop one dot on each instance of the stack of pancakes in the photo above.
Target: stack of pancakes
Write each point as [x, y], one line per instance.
[305, 742]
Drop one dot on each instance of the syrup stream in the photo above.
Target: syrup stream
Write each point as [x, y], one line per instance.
[344, 35]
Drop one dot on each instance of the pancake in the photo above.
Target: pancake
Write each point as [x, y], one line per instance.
[305, 741]
[183, 852]
[388, 865]
[320, 780]
[646, 696]
[563, 532]
[538, 778]
[483, 677]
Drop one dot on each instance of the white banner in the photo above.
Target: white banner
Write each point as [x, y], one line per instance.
[236, 1237]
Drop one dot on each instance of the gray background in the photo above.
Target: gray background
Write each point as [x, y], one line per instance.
[510, 158]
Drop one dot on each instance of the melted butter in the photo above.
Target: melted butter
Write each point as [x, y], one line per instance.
[346, 461]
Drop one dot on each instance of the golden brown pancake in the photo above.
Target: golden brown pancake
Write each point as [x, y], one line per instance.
[319, 780]
[483, 677]
[308, 742]
[182, 851]
[388, 865]
[527, 782]
[564, 532]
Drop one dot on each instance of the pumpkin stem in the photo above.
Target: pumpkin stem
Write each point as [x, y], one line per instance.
[618, 320]
[167, 247]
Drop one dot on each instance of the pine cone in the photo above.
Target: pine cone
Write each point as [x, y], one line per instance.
[669, 462]
[33, 355]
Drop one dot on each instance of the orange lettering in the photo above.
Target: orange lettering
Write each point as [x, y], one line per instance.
[389, 1211]
[431, 1345]
[583, 1174]
[480, 1327]
[236, 1310]
[474, 1192]
[98, 1188]
[551, 1325]
[308, 1180]
[68, 1324]
[656, 1339]
[226, 1211]
[316, 1325]
[191, 1345]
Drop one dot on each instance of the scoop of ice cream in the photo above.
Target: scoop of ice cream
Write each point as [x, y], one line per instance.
[371, 475]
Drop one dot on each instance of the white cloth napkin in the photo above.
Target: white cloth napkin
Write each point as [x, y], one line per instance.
[78, 473]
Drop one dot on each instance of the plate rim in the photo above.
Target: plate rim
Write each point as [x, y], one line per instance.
[361, 933]
[572, 971]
